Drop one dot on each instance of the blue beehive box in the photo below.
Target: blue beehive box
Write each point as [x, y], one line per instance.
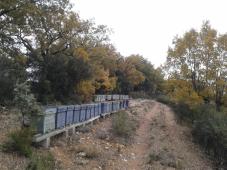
[83, 111]
[100, 108]
[46, 121]
[108, 97]
[127, 103]
[122, 104]
[69, 115]
[92, 106]
[88, 113]
[103, 98]
[116, 97]
[116, 106]
[103, 108]
[61, 117]
[97, 109]
[109, 107]
[97, 98]
[76, 115]
[113, 106]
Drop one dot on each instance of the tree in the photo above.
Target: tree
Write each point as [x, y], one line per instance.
[26, 103]
[197, 57]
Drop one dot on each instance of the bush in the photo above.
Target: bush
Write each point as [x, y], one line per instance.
[123, 125]
[139, 94]
[209, 129]
[164, 99]
[19, 141]
[211, 133]
[41, 162]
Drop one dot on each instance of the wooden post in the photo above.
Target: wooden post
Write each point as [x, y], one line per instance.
[73, 131]
[67, 133]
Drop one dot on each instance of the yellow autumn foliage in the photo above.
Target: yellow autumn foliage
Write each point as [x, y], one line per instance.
[207, 93]
[182, 91]
[104, 81]
[81, 53]
[86, 90]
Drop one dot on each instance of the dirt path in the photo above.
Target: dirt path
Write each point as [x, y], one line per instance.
[142, 138]
[159, 144]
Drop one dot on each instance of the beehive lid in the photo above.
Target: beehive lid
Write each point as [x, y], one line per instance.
[50, 110]
[62, 108]
[71, 107]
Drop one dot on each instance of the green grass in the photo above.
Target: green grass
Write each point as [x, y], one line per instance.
[41, 161]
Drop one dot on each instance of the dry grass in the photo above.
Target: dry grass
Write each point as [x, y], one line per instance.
[90, 151]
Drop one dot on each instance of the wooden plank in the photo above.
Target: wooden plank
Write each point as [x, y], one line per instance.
[41, 137]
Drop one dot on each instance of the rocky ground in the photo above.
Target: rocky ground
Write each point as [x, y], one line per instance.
[159, 143]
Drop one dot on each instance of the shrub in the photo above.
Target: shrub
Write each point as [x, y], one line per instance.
[209, 129]
[41, 162]
[184, 112]
[20, 141]
[211, 133]
[139, 94]
[123, 125]
[164, 99]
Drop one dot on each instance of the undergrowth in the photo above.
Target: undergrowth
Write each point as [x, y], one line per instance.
[123, 125]
[19, 141]
[41, 161]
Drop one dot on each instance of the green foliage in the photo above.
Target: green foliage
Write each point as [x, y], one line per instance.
[164, 99]
[11, 70]
[123, 125]
[26, 103]
[41, 161]
[208, 128]
[20, 141]
[139, 94]
[210, 131]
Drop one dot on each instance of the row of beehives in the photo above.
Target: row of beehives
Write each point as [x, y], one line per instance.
[60, 117]
[101, 98]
